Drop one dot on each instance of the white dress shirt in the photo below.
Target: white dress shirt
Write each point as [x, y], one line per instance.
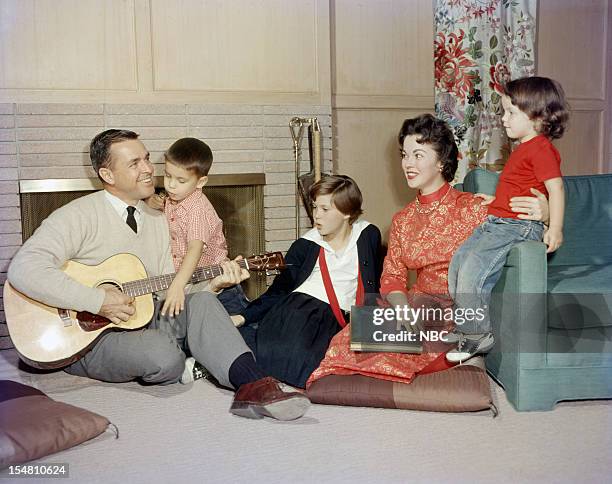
[343, 267]
[121, 207]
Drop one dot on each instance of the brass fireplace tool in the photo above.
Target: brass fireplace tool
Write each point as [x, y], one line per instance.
[303, 182]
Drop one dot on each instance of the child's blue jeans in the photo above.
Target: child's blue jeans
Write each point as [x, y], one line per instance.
[477, 266]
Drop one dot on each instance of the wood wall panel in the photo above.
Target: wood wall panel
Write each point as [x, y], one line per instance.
[366, 149]
[574, 48]
[67, 44]
[608, 129]
[383, 48]
[573, 33]
[383, 73]
[257, 45]
[172, 51]
[580, 147]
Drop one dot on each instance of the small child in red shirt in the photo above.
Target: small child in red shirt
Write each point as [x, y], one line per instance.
[196, 231]
[535, 111]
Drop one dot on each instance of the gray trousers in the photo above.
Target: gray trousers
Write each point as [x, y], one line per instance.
[156, 354]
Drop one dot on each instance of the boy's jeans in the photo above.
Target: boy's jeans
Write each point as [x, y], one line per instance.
[477, 265]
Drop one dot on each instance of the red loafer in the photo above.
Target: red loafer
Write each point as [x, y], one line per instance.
[267, 397]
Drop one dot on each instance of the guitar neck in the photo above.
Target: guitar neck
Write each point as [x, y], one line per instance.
[160, 283]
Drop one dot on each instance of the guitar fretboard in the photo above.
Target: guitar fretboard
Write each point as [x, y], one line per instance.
[160, 283]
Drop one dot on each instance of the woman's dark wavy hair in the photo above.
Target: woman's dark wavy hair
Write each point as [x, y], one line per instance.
[543, 100]
[437, 133]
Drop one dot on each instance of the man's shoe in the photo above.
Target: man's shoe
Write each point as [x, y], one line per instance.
[470, 345]
[267, 397]
[193, 371]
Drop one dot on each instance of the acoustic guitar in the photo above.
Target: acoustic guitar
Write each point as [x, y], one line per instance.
[46, 337]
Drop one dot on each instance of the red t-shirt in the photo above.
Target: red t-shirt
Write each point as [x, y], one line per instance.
[529, 165]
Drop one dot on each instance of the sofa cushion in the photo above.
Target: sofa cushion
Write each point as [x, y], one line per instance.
[32, 425]
[588, 347]
[588, 222]
[463, 388]
[579, 296]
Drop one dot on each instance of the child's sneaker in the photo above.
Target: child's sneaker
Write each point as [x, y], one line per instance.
[470, 345]
[193, 371]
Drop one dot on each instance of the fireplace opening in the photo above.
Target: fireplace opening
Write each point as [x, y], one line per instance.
[238, 199]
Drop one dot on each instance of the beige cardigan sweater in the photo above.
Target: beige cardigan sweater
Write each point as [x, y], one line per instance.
[87, 230]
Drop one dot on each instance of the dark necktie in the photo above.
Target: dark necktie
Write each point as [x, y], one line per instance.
[131, 221]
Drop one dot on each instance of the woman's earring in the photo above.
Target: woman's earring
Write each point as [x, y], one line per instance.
[440, 169]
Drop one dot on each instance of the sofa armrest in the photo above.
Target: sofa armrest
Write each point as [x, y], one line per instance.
[518, 305]
[529, 259]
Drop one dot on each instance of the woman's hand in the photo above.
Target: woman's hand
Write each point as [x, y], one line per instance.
[486, 199]
[531, 208]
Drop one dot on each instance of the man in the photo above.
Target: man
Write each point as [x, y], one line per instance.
[116, 220]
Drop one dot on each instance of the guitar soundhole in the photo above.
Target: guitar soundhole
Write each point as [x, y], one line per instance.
[91, 322]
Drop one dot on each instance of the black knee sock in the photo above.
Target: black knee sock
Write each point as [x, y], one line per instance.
[244, 370]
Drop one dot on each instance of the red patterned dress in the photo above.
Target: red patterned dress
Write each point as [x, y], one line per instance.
[423, 237]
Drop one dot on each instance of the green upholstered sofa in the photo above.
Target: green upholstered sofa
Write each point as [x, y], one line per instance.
[552, 316]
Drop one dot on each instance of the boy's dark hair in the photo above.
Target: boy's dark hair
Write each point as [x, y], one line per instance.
[543, 100]
[191, 154]
[439, 135]
[345, 194]
[99, 148]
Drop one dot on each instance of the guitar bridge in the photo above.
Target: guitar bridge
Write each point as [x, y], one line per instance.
[272, 272]
[64, 315]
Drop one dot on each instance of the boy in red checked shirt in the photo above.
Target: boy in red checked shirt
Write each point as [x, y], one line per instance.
[196, 231]
[535, 111]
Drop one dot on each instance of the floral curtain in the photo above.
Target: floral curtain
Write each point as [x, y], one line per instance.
[480, 44]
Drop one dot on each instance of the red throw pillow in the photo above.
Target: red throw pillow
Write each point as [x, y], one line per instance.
[32, 425]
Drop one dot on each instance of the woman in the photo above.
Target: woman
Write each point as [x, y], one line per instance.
[290, 326]
[423, 237]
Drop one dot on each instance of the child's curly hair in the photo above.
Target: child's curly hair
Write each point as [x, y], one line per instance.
[543, 100]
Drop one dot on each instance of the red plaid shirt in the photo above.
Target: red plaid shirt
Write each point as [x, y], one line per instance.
[194, 218]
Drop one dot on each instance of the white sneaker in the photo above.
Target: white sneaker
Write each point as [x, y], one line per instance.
[193, 371]
[470, 345]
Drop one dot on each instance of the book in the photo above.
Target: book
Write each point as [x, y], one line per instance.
[374, 330]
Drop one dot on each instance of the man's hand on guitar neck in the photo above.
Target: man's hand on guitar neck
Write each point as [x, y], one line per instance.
[232, 274]
[117, 307]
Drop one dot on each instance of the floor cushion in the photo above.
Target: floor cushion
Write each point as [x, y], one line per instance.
[463, 388]
[32, 425]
